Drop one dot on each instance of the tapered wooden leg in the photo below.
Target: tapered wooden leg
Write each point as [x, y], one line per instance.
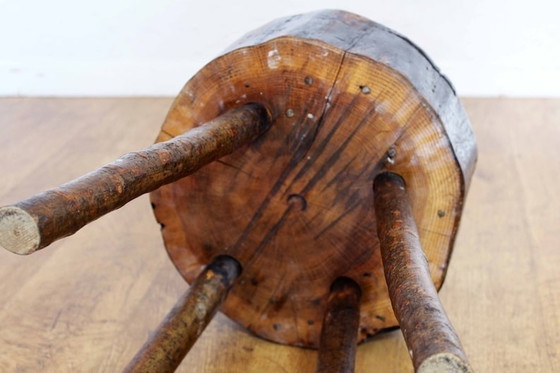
[175, 336]
[337, 347]
[36, 222]
[429, 335]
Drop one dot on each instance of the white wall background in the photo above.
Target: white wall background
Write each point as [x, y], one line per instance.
[151, 48]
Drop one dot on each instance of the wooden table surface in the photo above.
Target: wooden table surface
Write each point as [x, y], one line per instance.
[87, 303]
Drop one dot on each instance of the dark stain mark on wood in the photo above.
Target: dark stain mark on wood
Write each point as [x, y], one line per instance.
[55, 321]
[316, 301]
[339, 175]
[322, 146]
[348, 210]
[232, 166]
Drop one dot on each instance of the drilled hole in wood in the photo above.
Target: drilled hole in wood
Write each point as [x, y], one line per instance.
[391, 155]
[297, 201]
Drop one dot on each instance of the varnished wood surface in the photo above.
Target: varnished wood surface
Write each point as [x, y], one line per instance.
[88, 302]
[294, 207]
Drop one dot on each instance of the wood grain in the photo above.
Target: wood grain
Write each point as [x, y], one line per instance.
[299, 199]
[89, 302]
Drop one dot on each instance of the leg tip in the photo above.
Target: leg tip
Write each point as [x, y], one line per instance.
[18, 231]
[444, 363]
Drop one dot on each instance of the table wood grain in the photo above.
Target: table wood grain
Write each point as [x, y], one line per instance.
[88, 303]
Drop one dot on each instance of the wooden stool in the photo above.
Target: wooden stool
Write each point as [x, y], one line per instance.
[332, 160]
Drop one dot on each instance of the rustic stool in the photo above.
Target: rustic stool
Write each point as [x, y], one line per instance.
[328, 150]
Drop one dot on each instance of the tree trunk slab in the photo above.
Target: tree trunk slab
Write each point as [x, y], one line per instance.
[349, 99]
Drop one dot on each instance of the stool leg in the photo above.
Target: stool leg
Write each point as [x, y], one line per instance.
[175, 336]
[429, 335]
[337, 347]
[38, 221]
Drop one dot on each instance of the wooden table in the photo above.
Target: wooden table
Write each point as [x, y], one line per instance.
[87, 303]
